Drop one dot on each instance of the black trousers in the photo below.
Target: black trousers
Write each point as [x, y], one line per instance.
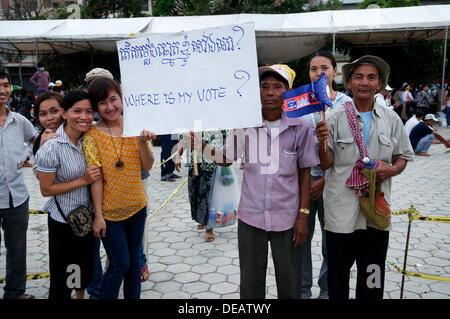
[368, 248]
[253, 246]
[69, 257]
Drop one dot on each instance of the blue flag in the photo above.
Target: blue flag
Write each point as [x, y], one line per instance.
[307, 99]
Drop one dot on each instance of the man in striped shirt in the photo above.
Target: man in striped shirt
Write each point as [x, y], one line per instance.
[15, 130]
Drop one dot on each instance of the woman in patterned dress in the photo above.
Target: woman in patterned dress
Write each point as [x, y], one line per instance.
[199, 187]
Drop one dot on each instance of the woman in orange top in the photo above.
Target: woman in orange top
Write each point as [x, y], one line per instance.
[119, 198]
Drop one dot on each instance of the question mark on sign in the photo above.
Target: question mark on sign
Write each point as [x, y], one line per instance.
[238, 28]
[241, 75]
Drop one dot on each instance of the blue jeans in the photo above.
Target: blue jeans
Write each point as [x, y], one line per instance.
[424, 144]
[95, 285]
[122, 244]
[315, 206]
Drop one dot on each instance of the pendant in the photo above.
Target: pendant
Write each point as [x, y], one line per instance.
[119, 164]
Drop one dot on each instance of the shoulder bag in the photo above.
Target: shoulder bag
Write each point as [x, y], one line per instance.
[80, 219]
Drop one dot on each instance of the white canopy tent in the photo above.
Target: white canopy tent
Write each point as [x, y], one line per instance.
[279, 37]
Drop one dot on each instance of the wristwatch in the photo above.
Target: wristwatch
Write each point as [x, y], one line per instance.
[304, 210]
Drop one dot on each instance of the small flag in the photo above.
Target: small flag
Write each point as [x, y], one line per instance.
[308, 98]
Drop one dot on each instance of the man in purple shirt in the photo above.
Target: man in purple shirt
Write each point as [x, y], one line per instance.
[274, 204]
[41, 79]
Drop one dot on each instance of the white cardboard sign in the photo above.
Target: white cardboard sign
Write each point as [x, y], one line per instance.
[199, 80]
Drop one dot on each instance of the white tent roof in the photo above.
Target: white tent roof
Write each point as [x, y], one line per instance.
[279, 37]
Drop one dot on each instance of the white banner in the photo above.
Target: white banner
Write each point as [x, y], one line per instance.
[200, 80]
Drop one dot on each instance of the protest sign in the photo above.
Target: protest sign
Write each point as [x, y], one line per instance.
[199, 80]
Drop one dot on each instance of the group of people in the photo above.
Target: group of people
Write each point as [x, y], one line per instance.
[313, 160]
[85, 162]
[406, 101]
[76, 166]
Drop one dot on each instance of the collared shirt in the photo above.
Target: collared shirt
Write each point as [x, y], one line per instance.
[387, 142]
[60, 156]
[16, 131]
[270, 195]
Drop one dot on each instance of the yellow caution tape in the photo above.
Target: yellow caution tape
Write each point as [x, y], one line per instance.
[37, 212]
[418, 275]
[170, 198]
[414, 215]
[439, 219]
[159, 164]
[41, 275]
[410, 210]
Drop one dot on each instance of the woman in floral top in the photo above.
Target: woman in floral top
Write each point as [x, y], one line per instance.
[199, 187]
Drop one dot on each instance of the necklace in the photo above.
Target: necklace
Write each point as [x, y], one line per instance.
[119, 164]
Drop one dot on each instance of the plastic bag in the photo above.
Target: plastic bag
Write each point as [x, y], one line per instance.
[224, 198]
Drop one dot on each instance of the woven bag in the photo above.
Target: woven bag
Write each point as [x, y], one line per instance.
[373, 205]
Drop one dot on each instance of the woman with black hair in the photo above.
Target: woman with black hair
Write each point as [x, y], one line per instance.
[118, 197]
[321, 61]
[64, 175]
[49, 115]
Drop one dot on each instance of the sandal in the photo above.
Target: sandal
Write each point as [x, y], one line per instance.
[209, 236]
[144, 273]
[200, 227]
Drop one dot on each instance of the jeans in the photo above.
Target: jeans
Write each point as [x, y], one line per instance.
[368, 247]
[315, 206]
[122, 244]
[14, 223]
[424, 144]
[253, 248]
[95, 285]
[166, 151]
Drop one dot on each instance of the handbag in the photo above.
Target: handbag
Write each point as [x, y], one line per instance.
[373, 205]
[80, 219]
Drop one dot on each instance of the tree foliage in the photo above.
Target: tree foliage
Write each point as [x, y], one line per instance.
[389, 3]
[416, 62]
[95, 9]
[25, 10]
[71, 69]
[212, 7]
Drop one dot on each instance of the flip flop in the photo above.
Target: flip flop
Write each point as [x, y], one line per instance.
[200, 227]
[26, 296]
[144, 273]
[209, 237]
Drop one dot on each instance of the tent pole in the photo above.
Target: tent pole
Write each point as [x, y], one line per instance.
[334, 44]
[20, 69]
[36, 50]
[443, 69]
